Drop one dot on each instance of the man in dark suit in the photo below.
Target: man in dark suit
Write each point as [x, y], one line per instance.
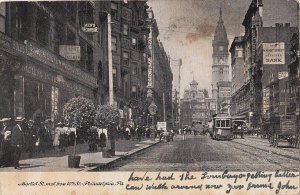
[17, 141]
[6, 159]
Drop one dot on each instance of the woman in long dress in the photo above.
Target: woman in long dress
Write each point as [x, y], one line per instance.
[57, 132]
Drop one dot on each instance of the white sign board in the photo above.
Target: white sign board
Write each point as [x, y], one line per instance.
[273, 53]
[90, 28]
[162, 126]
[225, 92]
[70, 52]
[282, 75]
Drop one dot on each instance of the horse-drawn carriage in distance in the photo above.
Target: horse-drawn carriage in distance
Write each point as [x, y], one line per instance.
[283, 129]
[239, 127]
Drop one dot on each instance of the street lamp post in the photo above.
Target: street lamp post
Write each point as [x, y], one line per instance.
[110, 67]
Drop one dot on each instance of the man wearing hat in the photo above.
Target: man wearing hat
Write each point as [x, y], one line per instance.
[6, 159]
[17, 141]
[31, 137]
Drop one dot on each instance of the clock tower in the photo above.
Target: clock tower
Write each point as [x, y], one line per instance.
[220, 66]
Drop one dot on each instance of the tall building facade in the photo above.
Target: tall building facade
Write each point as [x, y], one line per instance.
[240, 77]
[220, 67]
[293, 104]
[160, 77]
[221, 88]
[263, 28]
[49, 55]
[129, 34]
[46, 57]
[176, 70]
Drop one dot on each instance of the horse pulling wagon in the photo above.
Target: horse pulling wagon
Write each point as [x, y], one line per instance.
[284, 128]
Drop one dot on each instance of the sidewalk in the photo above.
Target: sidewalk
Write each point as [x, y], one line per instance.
[263, 144]
[53, 160]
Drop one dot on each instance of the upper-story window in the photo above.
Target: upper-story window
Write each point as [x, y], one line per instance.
[125, 29]
[114, 10]
[2, 17]
[144, 57]
[86, 60]
[240, 54]
[114, 43]
[70, 37]
[134, 68]
[59, 35]
[125, 58]
[42, 28]
[133, 43]
[72, 9]
[85, 13]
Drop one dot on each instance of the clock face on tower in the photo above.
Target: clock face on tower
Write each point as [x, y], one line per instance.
[221, 48]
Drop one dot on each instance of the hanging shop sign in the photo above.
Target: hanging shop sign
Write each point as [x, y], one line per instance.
[282, 75]
[70, 52]
[273, 53]
[162, 126]
[90, 28]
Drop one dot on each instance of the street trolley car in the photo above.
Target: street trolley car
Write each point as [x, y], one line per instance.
[283, 129]
[222, 127]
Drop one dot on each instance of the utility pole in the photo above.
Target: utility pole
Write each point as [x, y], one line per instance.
[164, 106]
[110, 66]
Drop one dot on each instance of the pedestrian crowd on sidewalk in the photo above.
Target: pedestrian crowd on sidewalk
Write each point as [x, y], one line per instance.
[31, 136]
[39, 136]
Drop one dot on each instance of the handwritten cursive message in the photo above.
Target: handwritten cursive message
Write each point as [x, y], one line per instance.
[279, 182]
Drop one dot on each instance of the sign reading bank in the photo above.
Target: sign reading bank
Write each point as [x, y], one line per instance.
[273, 53]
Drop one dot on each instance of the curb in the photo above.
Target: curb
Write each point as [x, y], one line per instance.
[129, 153]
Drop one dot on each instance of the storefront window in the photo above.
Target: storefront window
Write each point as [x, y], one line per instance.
[37, 98]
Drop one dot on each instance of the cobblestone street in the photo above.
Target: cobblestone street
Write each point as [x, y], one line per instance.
[201, 153]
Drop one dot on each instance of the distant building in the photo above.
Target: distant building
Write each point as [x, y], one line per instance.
[220, 67]
[176, 68]
[193, 105]
[240, 90]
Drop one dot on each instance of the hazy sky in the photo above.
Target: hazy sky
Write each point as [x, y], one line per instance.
[186, 30]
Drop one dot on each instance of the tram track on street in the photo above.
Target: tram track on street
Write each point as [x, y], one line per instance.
[261, 155]
[268, 151]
